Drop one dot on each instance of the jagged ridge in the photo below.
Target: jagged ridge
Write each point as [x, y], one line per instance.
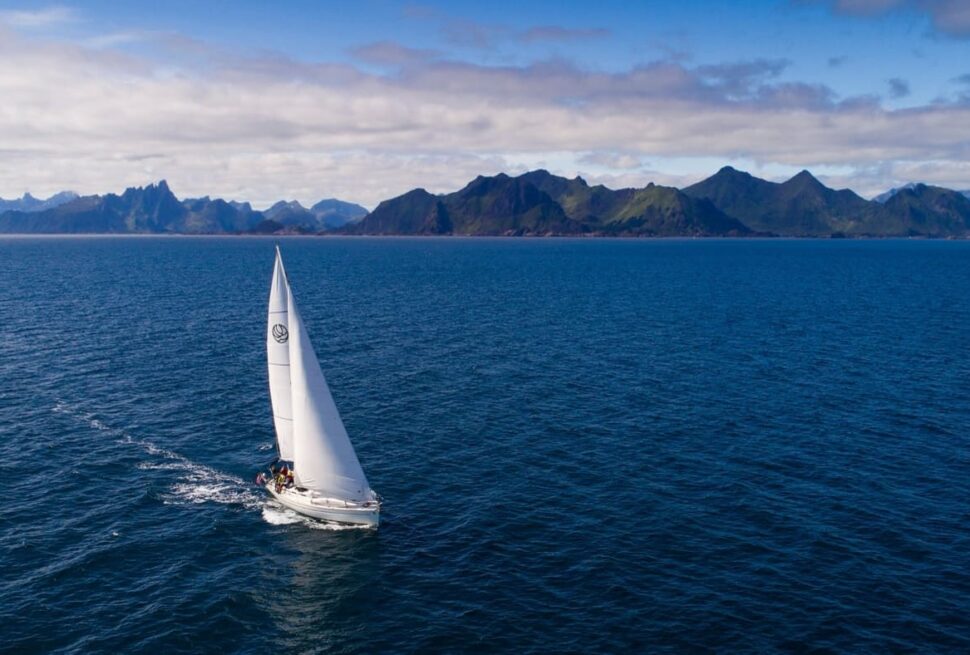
[803, 206]
[538, 202]
[154, 209]
[729, 203]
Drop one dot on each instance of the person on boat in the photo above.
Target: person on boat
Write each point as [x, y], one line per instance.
[260, 479]
[286, 476]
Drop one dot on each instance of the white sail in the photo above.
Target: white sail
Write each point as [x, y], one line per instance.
[323, 457]
[278, 359]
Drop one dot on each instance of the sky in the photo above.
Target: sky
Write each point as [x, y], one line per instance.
[366, 100]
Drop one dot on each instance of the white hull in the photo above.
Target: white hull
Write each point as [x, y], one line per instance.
[328, 509]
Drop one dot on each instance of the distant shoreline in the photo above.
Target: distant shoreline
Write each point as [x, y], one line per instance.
[576, 237]
[729, 204]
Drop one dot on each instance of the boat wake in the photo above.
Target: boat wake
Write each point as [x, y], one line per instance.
[202, 484]
[196, 482]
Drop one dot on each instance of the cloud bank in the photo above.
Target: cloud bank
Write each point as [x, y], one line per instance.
[949, 17]
[94, 117]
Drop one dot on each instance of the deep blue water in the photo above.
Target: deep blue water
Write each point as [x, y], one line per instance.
[582, 445]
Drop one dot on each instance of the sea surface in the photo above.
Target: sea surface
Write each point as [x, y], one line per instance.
[586, 446]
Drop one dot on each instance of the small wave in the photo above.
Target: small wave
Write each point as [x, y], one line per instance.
[151, 448]
[159, 466]
[267, 446]
[61, 407]
[95, 423]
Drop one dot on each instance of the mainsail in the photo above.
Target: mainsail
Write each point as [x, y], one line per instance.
[323, 457]
[278, 358]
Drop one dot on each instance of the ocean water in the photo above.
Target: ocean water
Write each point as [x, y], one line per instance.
[582, 445]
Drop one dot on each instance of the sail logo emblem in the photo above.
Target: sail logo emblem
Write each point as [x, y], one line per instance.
[280, 333]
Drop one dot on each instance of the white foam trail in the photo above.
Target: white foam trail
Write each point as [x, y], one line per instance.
[196, 491]
[160, 466]
[201, 484]
[99, 425]
[61, 407]
[197, 484]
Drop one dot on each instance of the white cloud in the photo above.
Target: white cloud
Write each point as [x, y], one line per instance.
[39, 18]
[869, 181]
[559, 33]
[265, 127]
[612, 160]
[115, 39]
[950, 17]
[390, 53]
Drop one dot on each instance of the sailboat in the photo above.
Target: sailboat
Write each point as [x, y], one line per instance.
[327, 480]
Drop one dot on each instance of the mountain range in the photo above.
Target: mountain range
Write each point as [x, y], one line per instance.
[541, 203]
[154, 209]
[325, 215]
[28, 203]
[729, 203]
[886, 195]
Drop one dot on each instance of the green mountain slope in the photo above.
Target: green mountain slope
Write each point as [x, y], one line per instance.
[931, 211]
[538, 202]
[802, 206]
